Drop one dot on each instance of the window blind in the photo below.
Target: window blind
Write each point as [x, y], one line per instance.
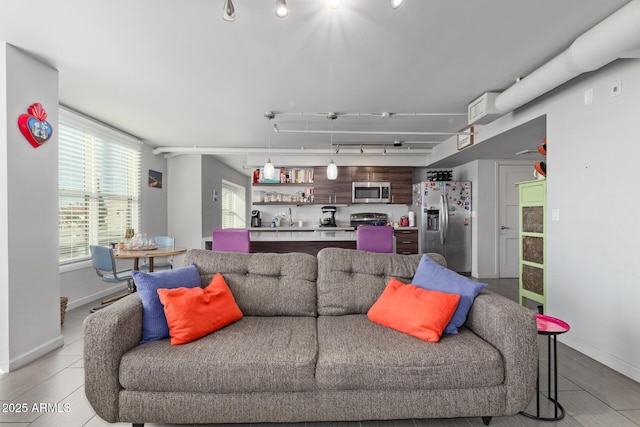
[98, 184]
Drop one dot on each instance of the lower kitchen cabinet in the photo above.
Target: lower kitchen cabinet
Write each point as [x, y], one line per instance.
[406, 241]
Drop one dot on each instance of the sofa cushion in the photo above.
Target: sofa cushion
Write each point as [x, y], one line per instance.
[355, 353]
[154, 322]
[414, 311]
[253, 354]
[433, 276]
[350, 281]
[263, 284]
[195, 312]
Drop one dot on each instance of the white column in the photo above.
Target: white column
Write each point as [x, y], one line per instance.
[29, 272]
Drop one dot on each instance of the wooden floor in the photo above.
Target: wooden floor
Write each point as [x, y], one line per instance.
[592, 394]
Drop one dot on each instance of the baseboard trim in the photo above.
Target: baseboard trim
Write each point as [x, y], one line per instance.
[96, 296]
[29, 356]
[621, 366]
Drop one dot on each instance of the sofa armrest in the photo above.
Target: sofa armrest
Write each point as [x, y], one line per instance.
[108, 334]
[511, 329]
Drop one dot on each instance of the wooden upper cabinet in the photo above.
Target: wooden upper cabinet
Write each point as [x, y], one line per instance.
[401, 179]
[327, 192]
[370, 173]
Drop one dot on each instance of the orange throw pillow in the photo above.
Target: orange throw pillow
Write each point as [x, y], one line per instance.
[195, 312]
[415, 311]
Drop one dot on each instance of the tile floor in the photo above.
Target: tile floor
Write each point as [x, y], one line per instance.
[592, 394]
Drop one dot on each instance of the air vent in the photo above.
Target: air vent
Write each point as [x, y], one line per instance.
[482, 110]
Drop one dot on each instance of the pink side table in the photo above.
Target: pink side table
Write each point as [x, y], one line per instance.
[551, 327]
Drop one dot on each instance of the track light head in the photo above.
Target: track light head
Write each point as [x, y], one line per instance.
[228, 11]
[335, 4]
[281, 9]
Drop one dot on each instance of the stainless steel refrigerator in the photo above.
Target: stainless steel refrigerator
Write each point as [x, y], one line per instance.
[443, 216]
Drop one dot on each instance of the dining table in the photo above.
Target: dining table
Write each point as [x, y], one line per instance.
[148, 253]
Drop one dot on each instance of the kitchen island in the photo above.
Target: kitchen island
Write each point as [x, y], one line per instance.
[311, 239]
[298, 239]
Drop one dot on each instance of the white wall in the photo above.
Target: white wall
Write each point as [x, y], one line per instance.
[593, 153]
[29, 282]
[185, 201]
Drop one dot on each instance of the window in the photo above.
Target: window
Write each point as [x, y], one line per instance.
[98, 185]
[233, 205]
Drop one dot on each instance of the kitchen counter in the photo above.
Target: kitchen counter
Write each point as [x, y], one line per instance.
[300, 229]
[282, 235]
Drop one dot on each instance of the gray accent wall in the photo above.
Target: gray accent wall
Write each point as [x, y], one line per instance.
[213, 172]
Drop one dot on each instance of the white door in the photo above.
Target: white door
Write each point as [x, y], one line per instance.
[508, 199]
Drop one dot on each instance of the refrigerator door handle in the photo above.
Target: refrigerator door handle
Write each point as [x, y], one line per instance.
[444, 220]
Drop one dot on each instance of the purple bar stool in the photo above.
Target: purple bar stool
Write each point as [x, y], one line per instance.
[374, 238]
[231, 240]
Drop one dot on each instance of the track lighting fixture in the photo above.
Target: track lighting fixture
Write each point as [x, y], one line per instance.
[281, 8]
[335, 4]
[228, 11]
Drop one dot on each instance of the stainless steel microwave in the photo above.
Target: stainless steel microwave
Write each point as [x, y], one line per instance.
[371, 192]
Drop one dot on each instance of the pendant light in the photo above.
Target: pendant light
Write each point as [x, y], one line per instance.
[269, 171]
[228, 11]
[332, 169]
[281, 8]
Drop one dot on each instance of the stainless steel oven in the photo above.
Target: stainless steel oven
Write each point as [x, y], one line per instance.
[371, 192]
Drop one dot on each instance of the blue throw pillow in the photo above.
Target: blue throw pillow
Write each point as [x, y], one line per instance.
[433, 276]
[154, 322]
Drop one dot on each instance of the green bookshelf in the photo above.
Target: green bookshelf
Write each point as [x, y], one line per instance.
[532, 232]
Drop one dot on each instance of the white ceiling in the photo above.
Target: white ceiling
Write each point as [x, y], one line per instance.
[173, 73]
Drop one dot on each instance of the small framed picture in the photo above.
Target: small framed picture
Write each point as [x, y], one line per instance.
[465, 140]
[155, 179]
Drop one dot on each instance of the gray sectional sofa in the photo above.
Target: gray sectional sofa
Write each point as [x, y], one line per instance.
[306, 351]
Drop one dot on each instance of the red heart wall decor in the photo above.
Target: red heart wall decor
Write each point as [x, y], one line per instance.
[34, 127]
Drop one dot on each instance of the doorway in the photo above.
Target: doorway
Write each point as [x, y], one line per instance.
[508, 202]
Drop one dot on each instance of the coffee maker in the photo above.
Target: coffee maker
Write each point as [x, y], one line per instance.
[256, 218]
[331, 220]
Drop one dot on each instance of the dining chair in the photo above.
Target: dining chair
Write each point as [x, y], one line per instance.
[161, 263]
[104, 262]
[231, 240]
[374, 238]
